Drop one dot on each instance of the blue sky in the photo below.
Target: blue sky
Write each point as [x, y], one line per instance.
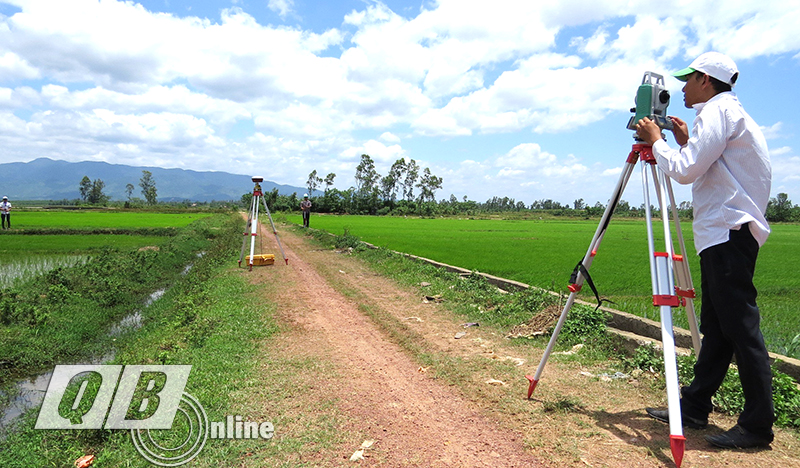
[510, 98]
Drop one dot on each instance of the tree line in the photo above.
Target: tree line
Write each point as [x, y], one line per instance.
[403, 188]
[403, 191]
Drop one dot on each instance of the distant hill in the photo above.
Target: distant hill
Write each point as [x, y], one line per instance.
[47, 179]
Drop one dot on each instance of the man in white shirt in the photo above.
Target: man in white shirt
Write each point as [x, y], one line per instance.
[5, 213]
[727, 162]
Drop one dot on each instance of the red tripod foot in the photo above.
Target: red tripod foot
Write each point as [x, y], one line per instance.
[677, 444]
[532, 386]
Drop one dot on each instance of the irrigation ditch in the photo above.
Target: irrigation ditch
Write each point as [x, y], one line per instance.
[28, 392]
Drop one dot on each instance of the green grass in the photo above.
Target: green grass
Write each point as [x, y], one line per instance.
[101, 219]
[543, 253]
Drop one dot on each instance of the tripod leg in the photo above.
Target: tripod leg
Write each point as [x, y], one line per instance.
[254, 229]
[244, 241]
[587, 263]
[663, 296]
[246, 230]
[275, 231]
[683, 277]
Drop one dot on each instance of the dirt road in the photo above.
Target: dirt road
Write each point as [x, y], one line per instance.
[414, 420]
[325, 299]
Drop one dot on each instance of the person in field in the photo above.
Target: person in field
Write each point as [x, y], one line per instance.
[5, 213]
[305, 207]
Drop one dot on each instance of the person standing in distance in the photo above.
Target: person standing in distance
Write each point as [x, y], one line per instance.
[727, 162]
[5, 213]
[305, 207]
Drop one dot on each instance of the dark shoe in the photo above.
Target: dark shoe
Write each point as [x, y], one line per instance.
[739, 438]
[688, 421]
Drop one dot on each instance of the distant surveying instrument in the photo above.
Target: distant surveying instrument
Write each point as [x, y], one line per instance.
[252, 231]
[669, 271]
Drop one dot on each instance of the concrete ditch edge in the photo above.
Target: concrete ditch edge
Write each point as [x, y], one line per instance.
[634, 330]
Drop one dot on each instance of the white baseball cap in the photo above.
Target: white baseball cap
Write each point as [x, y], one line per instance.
[713, 64]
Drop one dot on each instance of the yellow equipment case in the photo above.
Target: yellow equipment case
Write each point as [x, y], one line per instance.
[264, 259]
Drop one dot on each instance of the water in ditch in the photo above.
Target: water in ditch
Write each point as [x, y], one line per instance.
[28, 392]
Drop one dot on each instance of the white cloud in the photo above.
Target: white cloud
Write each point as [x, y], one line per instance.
[773, 131]
[390, 137]
[281, 7]
[13, 67]
[382, 154]
[780, 151]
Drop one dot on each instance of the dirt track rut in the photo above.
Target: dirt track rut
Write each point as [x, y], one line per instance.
[415, 420]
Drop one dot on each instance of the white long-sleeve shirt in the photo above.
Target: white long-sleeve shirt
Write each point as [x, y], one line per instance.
[727, 162]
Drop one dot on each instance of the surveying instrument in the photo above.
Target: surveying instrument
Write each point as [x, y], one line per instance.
[669, 272]
[252, 228]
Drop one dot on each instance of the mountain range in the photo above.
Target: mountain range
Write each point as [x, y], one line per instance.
[48, 179]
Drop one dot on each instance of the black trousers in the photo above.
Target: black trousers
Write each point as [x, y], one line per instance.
[729, 321]
[6, 218]
[306, 218]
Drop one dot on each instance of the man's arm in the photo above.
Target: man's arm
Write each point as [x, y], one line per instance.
[697, 154]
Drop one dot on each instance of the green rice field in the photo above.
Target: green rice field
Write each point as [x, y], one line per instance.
[23, 255]
[543, 253]
[101, 219]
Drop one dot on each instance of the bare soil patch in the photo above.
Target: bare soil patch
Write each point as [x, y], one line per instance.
[416, 416]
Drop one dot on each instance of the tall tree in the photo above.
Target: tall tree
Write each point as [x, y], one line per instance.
[85, 187]
[779, 208]
[148, 186]
[396, 173]
[129, 191]
[428, 185]
[313, 182]
[96, 195]
[329, 181]
[366, 175]
[388, 184]
[412, 172]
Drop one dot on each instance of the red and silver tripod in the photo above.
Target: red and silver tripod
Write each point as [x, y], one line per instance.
[669, 272]
[252, 224]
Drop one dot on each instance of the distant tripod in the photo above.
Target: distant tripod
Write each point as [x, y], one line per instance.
[252, 224]
[669, 273]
